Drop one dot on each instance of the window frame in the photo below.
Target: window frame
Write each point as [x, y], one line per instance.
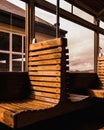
[10, 52]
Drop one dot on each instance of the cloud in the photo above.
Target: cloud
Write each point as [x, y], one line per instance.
[81, 55]
[82, 67]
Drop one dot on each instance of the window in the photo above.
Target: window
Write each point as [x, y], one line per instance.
[12, 52]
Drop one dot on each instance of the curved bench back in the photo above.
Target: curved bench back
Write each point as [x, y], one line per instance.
[100, 71]
[47, 68]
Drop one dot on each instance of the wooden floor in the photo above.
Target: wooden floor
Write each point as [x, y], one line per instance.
[86, 119]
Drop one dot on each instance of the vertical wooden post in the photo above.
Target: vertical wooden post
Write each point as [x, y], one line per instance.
[72, 8]
[57, 19]
[96, 45]
[29, 26]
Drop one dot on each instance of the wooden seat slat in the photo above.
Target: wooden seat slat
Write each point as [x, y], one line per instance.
[101, 63]
[46, 89]
[45, 73]
[42, 102]
[45, 62]
[47, 99]
[45, 94]
[101, 72]
[41, 78]
[45, 44]
[45, 57]
[43, 52]
[48, 67]
[47, 84]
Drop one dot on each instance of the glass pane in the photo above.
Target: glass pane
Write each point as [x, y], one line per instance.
[17, 43]
[65, 5]
[4, 62]
[82, 14]
[16, 63]
[102, 24]
[81, 48]
[4, 41]
[47, 33]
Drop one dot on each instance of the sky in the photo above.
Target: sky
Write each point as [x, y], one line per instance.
[80, 39]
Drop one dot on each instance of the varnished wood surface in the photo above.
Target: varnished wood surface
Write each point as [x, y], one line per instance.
[47, 83]
[99, 93]
[71, 120]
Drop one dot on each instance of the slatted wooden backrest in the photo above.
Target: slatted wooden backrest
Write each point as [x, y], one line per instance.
[47, 67]
[100, 71]
[99, 91]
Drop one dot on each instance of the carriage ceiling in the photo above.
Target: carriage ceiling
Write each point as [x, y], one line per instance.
[93, 7]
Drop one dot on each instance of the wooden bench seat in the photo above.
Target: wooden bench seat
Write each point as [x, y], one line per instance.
[27, 112]
[45, 69]
[46, 83]
[15, 114]
[99, 91]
